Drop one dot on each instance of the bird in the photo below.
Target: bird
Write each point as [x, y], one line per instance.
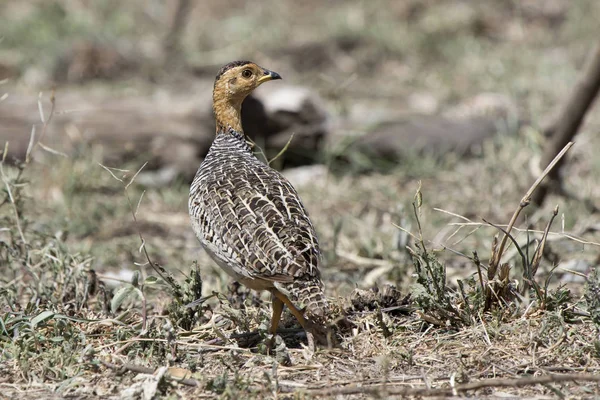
[249, 218]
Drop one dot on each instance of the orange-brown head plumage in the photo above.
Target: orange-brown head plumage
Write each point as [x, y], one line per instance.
[233, 83]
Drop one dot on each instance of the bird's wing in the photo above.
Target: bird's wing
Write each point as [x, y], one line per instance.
[259, 225]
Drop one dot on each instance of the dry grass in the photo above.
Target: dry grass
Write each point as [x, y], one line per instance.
[60, 334]
[83, 314]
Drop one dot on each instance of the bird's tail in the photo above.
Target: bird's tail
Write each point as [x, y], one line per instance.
[309, 295]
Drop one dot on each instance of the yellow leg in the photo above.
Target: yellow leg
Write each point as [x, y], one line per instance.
[309, 327]
[277, 310]
[297, 313]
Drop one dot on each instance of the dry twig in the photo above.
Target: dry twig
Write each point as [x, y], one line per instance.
[138, 369]
[495, 261]
[390, 389]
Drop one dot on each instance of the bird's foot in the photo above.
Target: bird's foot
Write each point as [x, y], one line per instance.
[321, 334]
[277, 348]
[271, 343]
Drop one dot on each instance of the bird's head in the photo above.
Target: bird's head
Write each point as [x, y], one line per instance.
[234, 82]
[238, 79]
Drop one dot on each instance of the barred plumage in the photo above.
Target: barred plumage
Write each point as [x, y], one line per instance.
[248, 217]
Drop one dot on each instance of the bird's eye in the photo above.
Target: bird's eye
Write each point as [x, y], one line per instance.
[246, 73]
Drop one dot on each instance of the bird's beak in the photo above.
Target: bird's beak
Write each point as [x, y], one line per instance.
[268, 76]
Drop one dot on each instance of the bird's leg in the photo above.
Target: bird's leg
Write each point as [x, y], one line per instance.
[313, 331]
[284, 300]
[277, 310]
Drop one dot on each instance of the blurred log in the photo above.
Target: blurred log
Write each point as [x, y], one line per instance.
[429, 133]
[166, 130]
[384, 146]
[393, 137]
[564, 125]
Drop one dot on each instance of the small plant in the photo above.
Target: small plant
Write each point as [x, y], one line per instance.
[444, 307]
[437, 301]
[45, 289]
[190, 310]
[134, 290]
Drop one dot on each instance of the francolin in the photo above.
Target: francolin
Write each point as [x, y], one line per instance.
[249, 218]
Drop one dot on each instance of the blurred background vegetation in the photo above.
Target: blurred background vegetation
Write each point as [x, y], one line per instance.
[454, 48]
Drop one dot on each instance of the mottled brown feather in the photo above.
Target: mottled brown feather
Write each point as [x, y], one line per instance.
[248, 216]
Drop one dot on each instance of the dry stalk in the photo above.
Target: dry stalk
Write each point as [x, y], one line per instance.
[537, 255]
[10, 195]
[138, 369]
[495, 261]
[283, 150]
[478, 265]
[45, 122]
[390, 389]
[493, 267]
[512, 239]
[30, 148]
[477, 225]
[164, 274]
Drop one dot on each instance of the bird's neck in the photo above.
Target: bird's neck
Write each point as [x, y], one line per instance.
[228, 115]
